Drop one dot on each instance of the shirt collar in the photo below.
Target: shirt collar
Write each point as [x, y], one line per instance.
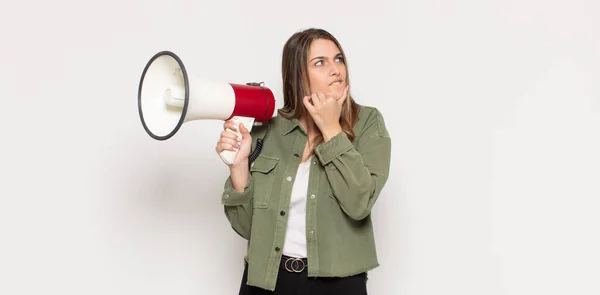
[290, 125]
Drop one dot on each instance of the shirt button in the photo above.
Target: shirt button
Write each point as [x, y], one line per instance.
[226, 196]
[277, 249]
[314, 162]
[296, 155]
[289, 178]
[311, 232]
[282, 213]
[252, 165]
[312, 196]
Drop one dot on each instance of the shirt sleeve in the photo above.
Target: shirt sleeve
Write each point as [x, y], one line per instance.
[357, 174]
[238, 207]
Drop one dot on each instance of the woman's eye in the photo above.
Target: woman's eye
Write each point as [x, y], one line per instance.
[319, 63]
[339, 59]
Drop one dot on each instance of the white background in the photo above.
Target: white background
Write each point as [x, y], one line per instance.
[493, 108]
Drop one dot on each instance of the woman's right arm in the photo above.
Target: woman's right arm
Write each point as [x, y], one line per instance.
[238, 189]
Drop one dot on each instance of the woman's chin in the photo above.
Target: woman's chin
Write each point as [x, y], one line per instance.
[335, 94]
[336, 90]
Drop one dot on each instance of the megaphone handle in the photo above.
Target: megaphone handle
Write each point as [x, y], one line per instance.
[228, 156]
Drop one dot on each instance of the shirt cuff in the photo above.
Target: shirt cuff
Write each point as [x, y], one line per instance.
[333, 148]
[231, 197]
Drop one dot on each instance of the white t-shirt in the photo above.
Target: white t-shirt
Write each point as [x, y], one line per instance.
[295, 237]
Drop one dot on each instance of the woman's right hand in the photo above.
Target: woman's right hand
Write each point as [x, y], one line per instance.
[230, 141]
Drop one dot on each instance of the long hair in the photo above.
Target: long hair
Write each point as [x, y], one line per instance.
[296, 83]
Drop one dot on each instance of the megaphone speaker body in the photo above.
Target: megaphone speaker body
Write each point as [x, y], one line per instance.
[167, 98]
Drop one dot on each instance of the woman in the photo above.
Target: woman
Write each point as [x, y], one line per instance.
[304, 203]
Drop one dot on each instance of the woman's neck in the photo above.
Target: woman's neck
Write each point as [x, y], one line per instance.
[312, 133]
[309, 126]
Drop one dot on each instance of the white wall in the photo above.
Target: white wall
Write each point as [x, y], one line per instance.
[493, 108]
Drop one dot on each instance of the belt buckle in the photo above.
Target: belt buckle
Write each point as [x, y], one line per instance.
[295, 264]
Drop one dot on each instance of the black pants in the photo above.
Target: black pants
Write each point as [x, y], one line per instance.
[291, 283]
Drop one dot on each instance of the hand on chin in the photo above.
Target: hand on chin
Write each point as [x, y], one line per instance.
[325, 110]
[335, 92]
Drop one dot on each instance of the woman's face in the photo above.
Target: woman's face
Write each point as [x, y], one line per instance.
[326, 68]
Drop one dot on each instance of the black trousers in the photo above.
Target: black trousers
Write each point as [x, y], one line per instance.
[292, 283]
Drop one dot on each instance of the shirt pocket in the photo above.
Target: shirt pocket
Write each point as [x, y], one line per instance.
[263, 173]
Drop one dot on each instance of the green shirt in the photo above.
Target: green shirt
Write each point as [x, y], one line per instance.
[345, 179]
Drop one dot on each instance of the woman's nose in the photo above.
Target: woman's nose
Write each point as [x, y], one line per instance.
[334, 70]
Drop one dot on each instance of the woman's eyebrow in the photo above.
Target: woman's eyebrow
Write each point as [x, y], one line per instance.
[324, 57]
[319, 57]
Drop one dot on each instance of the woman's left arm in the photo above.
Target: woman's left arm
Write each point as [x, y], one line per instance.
[357, 174]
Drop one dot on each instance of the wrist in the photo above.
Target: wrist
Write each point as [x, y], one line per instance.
[239, 175]
[241, 165]
[331, 132]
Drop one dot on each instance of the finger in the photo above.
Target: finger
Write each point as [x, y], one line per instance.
[310, 100]
[230, 124]
[229, 147]
[229, 134]
[308, 105]
[234, 142]
[307, 100]
[222, 146]
[322, 96]
[316, 100]
[344, 95]
[244, 131]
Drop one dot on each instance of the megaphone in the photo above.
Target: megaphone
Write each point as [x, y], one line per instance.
[167, 98]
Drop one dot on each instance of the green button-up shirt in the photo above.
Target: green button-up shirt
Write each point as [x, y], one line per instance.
[345, 179]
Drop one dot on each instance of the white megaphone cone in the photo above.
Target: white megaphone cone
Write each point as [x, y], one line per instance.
[167, 98]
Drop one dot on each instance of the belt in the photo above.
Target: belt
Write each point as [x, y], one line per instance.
[293, 264]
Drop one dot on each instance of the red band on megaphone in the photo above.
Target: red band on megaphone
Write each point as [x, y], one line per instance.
[253, 102]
